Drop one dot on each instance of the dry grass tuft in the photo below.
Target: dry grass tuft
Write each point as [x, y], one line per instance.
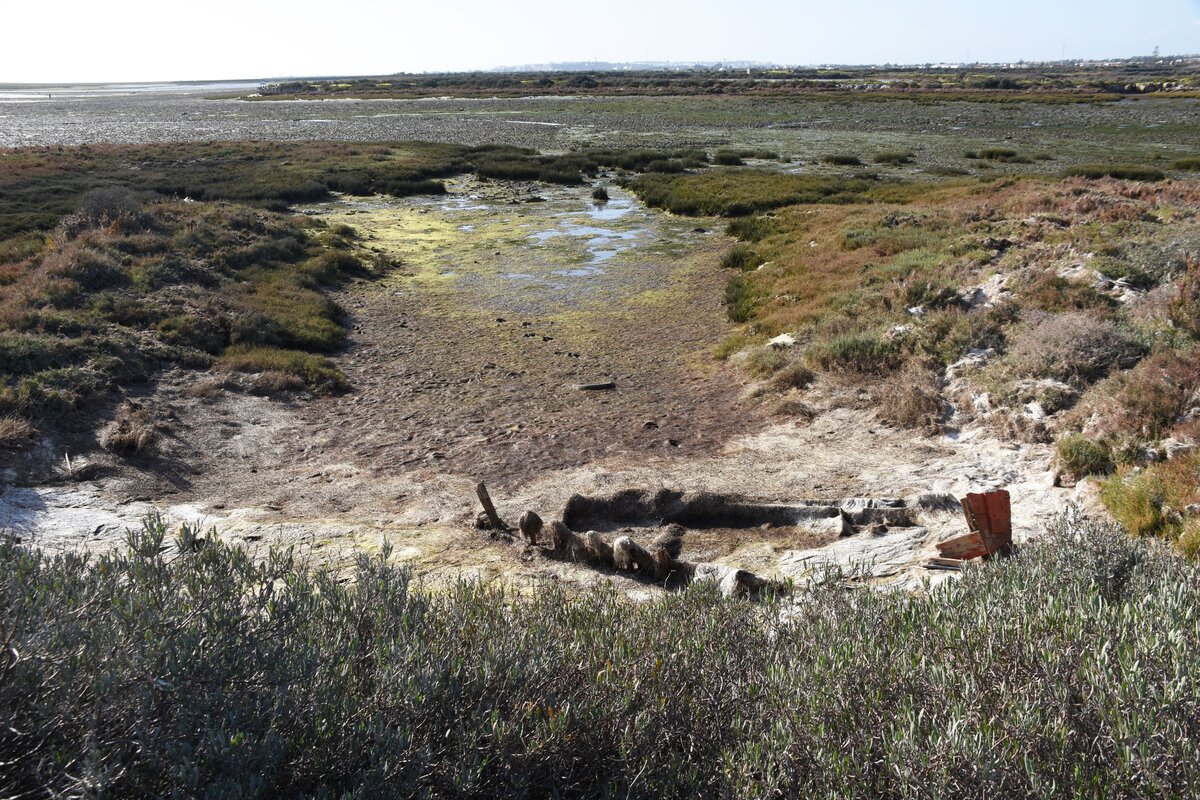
[132, 431]
[763, 362]
[793, 376]
[794, 408]
[1075, 347]
[274, 382]
[913, 399]
[14, 432]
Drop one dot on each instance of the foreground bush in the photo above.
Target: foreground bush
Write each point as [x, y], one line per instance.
[193, 670]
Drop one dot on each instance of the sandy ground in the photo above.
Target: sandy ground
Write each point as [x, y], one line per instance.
[464, 366]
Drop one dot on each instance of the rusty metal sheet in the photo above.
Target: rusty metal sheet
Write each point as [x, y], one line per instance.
[989, 519]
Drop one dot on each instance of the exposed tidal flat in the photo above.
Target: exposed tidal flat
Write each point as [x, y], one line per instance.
[800, 127]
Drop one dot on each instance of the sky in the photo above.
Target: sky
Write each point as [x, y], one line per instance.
[139, 40]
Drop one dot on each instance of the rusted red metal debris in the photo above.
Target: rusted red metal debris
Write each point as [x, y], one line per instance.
[989, 518]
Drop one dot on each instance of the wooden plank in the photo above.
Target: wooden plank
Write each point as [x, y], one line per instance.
[964, 547]
[486, 500]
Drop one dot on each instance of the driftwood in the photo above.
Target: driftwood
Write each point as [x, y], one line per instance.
[561, 538]
[657, 562]
[598, 550]
[629, 555]
[530, 525]
[488, 508]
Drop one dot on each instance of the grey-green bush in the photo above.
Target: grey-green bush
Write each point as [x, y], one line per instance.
[189, 669]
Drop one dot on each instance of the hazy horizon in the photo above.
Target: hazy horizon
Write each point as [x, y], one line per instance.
[139, 41]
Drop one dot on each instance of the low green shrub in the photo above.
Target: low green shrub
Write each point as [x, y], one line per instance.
[665, 165]
[1185, 307]
[843, 160]
[929, 294]
[742, 192]
[1125, 172]
[793, 375]
[862, 353]
[1082, 456]
[316, 371]
[1003, 155]
[947, 334]
[741, 301]
[763, 362]
[1135, 499]
[894, 158]
[1047, 291]
[741, 257]
[750, 229]
[947, 172]
[1187, 164]
[727, 158]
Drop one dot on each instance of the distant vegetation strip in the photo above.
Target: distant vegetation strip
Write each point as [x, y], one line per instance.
[40, 185]
[1043, 83]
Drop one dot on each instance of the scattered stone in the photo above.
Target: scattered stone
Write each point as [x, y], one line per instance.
[1173, 447]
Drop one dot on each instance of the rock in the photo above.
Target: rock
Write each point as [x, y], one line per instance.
[989, 293]
[733, 582]
[876, 556]
[936, 501]
[973, 360]
[1173, 447]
